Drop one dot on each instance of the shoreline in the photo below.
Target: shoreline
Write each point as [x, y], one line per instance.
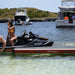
[31, 20]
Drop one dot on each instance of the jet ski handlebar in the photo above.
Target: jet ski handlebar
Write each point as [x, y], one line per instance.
[31, 35]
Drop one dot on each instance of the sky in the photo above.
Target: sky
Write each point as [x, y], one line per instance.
[47, 5]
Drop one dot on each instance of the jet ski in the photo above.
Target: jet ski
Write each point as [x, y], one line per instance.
[29, 40]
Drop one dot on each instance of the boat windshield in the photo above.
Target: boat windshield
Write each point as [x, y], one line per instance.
[22, 18]
[68, 3]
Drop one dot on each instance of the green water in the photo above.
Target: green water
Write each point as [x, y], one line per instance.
[37, 66]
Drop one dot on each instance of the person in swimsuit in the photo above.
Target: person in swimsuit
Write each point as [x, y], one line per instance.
[11, 33]
[4, 43]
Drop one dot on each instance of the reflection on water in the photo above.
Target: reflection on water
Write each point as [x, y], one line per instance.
[37, 66]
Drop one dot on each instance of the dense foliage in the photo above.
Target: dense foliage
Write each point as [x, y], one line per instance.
[32, 13]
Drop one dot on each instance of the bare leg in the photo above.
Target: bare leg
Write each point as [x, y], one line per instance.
[14, 38]
[12, 43]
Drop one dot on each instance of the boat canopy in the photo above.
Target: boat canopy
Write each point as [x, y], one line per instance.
[21, 12]
[67, 4]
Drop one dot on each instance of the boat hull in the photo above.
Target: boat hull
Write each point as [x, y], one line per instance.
[39, 50]
[44, 50]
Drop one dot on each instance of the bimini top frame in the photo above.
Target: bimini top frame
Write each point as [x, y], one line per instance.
[67, 4]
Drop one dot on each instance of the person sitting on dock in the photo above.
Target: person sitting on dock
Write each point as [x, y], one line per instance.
[11, 33]
[3, 42]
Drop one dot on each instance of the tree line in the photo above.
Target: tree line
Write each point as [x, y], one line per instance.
[31, 12]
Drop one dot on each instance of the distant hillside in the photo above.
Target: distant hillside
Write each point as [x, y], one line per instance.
[33, 13]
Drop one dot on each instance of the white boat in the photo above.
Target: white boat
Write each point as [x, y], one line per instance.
[21, 17]
[66, 15]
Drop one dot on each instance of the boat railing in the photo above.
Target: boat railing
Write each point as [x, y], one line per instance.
[62, 22]
[59, 21]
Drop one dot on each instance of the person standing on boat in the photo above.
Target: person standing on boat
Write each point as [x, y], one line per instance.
[3, 42]
[11, 33]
